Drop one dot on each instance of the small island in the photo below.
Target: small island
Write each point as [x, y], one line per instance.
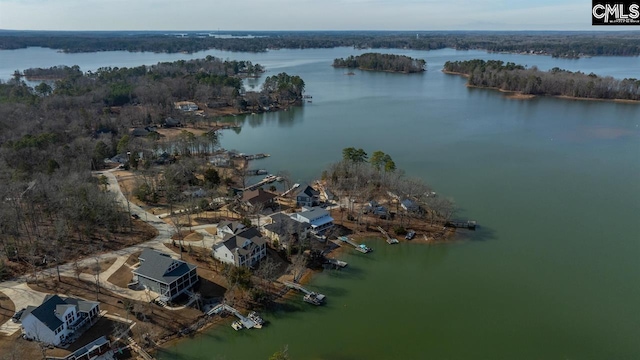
[528, 82]
[382, 62]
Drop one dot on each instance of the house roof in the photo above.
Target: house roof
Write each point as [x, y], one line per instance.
[139, 132]
[235, 242]
[161, 267]
[307, 191]
[234, 226]
[54, 304]
[95, 344]
[408, 203]
[284, 225]
[312, 214]
[46, 312]
[257, 196]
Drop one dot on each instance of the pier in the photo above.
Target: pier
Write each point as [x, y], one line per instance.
[267, 180]
[310, 296]
[295, 186]
[337, 263]
[246, 322]
[390, 240]
[359, 247]
[461, 224]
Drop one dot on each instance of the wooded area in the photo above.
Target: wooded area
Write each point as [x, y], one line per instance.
[555, 82]
[53, 136]
[556, 44]
[382, 62]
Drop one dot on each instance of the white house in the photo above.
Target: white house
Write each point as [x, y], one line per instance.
[285, 230]
[319, 219]
[57, 318]
[165, 275]
[246, 248]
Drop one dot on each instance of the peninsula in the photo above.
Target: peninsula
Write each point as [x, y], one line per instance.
[511, 77]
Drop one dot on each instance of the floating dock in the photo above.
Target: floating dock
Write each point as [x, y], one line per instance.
[246, 322]
[309, 296]
[337, 263]
[461, 224]
[390, 240]
[359, 247]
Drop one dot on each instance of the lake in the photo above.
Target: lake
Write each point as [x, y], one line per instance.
[553, 271]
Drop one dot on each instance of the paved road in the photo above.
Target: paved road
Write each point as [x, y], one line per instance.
[23, 296]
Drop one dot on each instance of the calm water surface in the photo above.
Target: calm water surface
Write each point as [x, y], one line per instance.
[552, 273]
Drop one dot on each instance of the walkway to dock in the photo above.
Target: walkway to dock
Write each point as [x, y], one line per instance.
[349, 241]
[295, 186]
[296, 287]
[266, 180]
[389, 239]
[246, 322]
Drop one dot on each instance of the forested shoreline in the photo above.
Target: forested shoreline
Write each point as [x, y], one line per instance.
[555, 82]
[556, 44]
[381, 62]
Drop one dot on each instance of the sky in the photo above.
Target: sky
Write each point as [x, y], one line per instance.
[298, 15]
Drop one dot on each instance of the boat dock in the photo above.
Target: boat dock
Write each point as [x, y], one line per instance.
[337, 263]
[359, 247]
[251, 157]
[267, 180]
[390, 240]
[246, 322]
[310, 296]
[461, 224]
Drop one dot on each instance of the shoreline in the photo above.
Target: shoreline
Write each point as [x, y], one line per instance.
[519, 95]
[387, 71]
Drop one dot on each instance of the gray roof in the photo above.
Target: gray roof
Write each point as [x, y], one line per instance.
[307, 191]
[91, 346]
[83, 305]
[155, 265]
[235, 242]
[284, 225]
[235, 226]
[314, 213]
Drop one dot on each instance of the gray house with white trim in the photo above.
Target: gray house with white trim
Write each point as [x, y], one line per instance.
[164, 275]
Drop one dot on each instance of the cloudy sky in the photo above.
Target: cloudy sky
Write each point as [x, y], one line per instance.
[296, 15]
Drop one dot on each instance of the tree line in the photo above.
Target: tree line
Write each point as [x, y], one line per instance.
[555, 82]
[557, 44]
[382, 62]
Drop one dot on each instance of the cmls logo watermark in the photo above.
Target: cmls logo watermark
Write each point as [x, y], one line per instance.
[615, 12]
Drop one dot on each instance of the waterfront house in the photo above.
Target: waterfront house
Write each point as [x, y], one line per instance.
[57, 318]
[318, 218]
[409, 205]
[225, 227]
[307, 196]
[171, 123]
[164, 275]
[186, 106]
[246, 248]
[285, 230]
[257, 197]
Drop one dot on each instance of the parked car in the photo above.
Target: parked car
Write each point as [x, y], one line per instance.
[16, 317]
[410, 235]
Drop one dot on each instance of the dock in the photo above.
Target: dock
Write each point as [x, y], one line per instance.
[337, 263]
[251, 157]
[359, 247]
[390, 240]
[295, 186]
[310, 296]
[246, 322]
[267, 180]
[462, 224]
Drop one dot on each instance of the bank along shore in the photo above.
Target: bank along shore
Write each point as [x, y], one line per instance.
[519, 95]
[426, 234]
